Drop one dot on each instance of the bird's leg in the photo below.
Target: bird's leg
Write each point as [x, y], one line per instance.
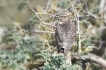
[66, 53]
[67, 57]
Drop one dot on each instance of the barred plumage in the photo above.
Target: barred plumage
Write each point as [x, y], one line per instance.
[65, 36]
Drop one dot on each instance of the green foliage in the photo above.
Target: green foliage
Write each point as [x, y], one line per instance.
[57, 62]
[86, 23]
[30, 24]
[62, 4]
[21, 6]
[17, 57]
[54, 63]
[33, 20]
[97, 9]
[86, 40]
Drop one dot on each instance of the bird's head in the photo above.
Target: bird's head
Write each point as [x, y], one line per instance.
[63, 18]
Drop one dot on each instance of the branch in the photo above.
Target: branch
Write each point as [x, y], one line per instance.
[102, 4]
[92, 58]
[102, 7]
[35, 64]
[37, 14]
[36, 31]
[47, 6]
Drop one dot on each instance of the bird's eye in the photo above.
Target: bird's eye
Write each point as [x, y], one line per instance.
[62, 16]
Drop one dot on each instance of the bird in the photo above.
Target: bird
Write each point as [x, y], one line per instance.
[65, 35]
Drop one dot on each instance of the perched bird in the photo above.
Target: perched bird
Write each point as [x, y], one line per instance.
[65, 36]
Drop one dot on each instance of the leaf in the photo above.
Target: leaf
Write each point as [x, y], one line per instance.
[27, 56]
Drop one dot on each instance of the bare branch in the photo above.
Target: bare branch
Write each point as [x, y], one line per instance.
[92, 58]
[37, 15]
[102, 4]
[102, 7]
[88, 11]
[47, 6]
[36, 31]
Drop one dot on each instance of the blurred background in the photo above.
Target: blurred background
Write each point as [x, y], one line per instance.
[13, 12]
[17, 20]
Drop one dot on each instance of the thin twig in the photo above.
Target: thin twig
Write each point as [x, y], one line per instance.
[36, 31]
[37, 15]
[34, 12]
[100, 44]
[45, 13]
[78, 25]
[47, 6]
[88, 11]
[102, 8]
